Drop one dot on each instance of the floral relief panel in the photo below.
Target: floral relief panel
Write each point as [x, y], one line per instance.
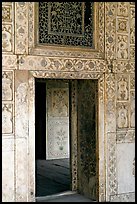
[57, 134]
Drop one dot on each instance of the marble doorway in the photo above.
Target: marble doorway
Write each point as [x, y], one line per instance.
[81, 99]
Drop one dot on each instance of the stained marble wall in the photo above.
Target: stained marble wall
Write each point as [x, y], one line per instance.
[112, 63]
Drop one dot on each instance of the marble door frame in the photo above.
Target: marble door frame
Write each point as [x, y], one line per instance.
[101, 129]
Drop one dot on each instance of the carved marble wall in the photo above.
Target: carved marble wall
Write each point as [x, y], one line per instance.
[112, 63]
[120, 104]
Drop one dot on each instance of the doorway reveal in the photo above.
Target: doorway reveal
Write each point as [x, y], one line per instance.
[52, 137]
[66, 108]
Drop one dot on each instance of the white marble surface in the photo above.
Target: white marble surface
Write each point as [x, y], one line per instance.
[125, 167]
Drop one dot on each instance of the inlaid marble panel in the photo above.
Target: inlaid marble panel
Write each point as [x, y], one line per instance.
[126, 159]
[9, 62]
[122, 25]
[122, 115]
[7, 118]
[6, 38]
[57, 138]
[122, 9]
[122, 48]
[7, 86]
[122, 87]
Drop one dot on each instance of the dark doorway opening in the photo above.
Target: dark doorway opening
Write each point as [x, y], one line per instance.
[52, 174]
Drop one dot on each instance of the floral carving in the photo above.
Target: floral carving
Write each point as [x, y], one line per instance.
[6, 38]
[122, 115]
[21, 27]
[122, 47]
[110, 20]
[122, 25]
[122, 87]
[7, 118]
[122, 9]
[6, 13]
[7, 85]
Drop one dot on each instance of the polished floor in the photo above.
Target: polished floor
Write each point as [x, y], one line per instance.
[53, 182]
[67, 196]
[52, 177]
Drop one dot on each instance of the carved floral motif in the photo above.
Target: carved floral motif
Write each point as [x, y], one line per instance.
[7, 86]
[6, 38]
[122, 115]
[122, 25]
[122, 9]
[122, 87]
[7, 119]
[122, 50]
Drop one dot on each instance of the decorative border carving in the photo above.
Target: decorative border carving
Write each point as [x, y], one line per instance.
[60, 64]
[111, 165]
[110, 30]
[110, 103]
[8, 27]
[21, 27]
[127, 136]
[9, 62]
[7, 86]
[36, 49]
[127, 66]
[7, 118]
[126, 197]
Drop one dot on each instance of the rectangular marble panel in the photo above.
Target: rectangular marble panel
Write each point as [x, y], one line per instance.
[21, 27]
[7, 118]
[122, 114]
[6, 13]
[126, 167]
[9, 62]
[8, 193]
[21, 170]
[21, 103]
[7, 85]
[58, 137]
[7, 38]
[8, 143]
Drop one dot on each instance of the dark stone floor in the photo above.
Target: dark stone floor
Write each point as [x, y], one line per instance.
[72, 197]
[52, 176]
[53, 182]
